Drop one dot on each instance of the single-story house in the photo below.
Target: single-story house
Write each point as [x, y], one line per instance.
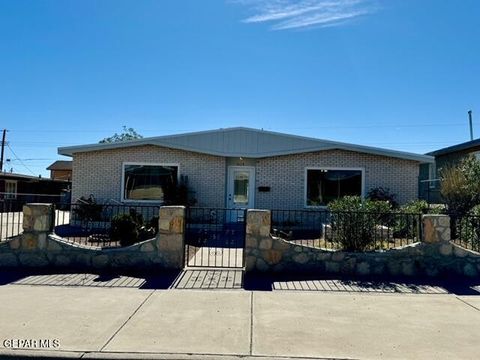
[61, 170]
[21, 188]
[448, 156]
[240, 168]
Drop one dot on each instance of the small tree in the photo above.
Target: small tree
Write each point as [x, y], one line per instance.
[460, 185]
[126, 135]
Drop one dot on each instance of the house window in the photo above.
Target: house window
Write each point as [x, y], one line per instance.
[325, 185]
[148, 182]
[10, 189]
[432, 175]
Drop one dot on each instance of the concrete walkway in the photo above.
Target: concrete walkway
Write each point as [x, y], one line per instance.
[128, 322]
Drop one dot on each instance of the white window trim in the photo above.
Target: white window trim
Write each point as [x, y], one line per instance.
[329, 168]
[122, 184]
[9, 194]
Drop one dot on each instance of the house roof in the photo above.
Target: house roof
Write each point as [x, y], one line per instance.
[15, 176]
[473, 144]
[244, 142]
[61, 165]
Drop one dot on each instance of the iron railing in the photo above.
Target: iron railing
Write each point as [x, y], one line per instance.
[347, 230]
[215, 237]
[465, 231]
[11, 218]
[91, 224]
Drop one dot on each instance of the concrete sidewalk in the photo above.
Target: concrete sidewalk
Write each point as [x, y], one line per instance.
[91, 322]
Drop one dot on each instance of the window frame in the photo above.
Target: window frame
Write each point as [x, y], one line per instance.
[305, 190]
[122, 184]
[432, 175]
[9, 195]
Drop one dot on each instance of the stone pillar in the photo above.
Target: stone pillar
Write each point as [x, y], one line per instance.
[436, 228]
[258, 228]
[171, 236]
[38, 221]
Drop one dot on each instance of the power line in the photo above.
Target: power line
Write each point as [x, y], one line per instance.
[21, 162]
[346, 126]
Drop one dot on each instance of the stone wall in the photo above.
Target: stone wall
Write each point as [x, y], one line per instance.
[438, 256]
[38, 247]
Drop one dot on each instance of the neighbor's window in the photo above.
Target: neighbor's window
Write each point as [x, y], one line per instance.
[325, 185]
[10, 189]
[148, 182]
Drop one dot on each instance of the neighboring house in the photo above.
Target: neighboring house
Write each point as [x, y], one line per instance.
[429, 187]
[61, 170]
[241, 168]
[25, 188]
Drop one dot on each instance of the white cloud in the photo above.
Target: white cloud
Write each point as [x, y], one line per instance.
[291, 14]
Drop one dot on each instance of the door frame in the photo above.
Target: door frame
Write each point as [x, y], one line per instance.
[229, 185]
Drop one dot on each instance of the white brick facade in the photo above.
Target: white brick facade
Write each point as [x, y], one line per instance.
[286, 175]
[100, 173]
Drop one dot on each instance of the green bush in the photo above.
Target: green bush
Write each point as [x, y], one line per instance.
[407, 223]
[354, 221]
[467, 228]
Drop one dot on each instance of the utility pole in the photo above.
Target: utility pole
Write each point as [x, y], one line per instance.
[470, 121]
[3, 149]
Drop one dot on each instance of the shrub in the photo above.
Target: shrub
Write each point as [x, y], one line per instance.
[153, 223]
[124, 229]
[179, 194]
[460, 185]
[87, 209]
[415, 207]
[129, 228]
[467, 228]
[354, 221]
[383, 194]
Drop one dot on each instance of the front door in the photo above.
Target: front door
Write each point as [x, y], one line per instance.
[240, 187]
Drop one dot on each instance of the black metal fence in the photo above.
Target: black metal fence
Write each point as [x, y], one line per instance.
[215, 237]
[351, 231]
[91, 224]
[11, 218]
[465, 231]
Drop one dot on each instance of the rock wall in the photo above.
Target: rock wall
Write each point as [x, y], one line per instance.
[38, 247]
[265, 253]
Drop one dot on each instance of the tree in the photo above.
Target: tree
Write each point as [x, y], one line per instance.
[460, 185]
[126, 135]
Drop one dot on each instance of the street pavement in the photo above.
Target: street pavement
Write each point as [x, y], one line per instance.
[297, 319]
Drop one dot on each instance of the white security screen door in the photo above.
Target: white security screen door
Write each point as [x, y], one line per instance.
[240, 187]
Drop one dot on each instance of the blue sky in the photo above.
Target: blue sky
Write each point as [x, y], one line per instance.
[400, 74]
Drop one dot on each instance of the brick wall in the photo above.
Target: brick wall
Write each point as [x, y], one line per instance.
[286, 176]
[100, 172]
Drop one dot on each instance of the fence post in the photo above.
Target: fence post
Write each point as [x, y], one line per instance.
[436, 228]
[258, 228]
[38, 221]
[171, 235]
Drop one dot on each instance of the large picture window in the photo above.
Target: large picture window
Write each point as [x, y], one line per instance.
[148, 182]
[325, 185]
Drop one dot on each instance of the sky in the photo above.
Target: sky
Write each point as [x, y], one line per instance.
[398, 74]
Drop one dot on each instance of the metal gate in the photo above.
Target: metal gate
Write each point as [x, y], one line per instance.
[215, 237]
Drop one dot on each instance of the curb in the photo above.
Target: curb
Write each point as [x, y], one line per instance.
[59, 354]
